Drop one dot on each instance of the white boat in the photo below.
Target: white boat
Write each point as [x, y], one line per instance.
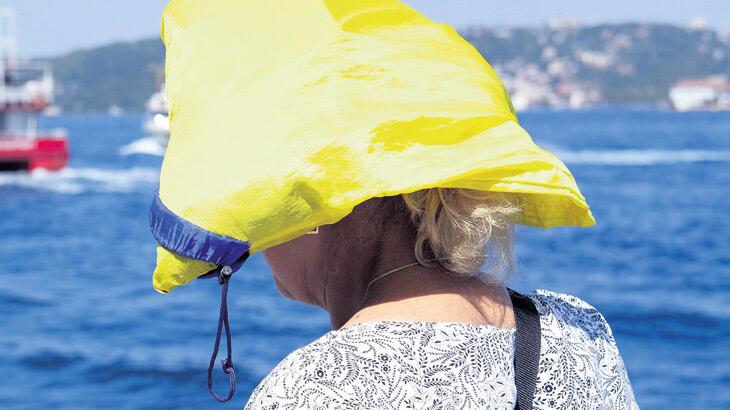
[157, 124]
[711, 94]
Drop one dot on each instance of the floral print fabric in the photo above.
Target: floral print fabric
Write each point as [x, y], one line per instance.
[420, 365]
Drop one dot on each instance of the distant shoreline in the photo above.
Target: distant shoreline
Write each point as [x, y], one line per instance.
[570, 65]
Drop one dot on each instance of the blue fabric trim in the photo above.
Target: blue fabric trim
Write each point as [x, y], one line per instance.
[187, 239]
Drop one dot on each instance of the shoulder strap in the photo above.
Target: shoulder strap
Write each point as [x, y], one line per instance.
[527, 348]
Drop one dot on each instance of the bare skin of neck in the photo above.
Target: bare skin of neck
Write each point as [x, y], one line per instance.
[414, 294]
[418, 296]
[333, 268]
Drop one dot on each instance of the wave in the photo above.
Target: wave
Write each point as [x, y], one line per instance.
[640, 157]
[114, 366]
[146, 146]
[73, 181]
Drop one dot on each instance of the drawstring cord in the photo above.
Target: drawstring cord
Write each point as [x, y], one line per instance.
[223, 278]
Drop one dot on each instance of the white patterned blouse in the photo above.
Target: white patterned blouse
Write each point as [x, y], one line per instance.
[419, 365]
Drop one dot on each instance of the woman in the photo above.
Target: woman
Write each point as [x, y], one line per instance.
[412, 332]
[391, 141]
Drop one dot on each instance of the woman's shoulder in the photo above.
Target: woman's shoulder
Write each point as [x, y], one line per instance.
[564, 310]
[299, 372]
[579, 361]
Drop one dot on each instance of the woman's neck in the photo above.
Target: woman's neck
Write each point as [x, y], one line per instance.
[421, 294]
[416, 293]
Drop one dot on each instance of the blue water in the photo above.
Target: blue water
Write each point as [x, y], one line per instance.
[81, 327]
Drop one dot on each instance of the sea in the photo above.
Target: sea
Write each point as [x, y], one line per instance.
[82, 328]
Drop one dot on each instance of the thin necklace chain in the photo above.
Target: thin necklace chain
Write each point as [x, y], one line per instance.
[377, 278]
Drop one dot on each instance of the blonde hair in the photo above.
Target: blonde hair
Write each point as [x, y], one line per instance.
[463, 229]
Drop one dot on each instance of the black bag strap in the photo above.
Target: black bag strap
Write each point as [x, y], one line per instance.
[527, 348]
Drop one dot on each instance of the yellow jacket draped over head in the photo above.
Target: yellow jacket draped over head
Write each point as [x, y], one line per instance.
[286, 114]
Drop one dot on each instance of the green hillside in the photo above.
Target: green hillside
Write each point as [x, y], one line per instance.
[121, 74]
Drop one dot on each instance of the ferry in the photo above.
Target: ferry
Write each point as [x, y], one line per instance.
[26, 90]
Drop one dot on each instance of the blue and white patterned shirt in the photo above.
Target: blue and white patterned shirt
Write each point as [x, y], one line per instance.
[420, 365]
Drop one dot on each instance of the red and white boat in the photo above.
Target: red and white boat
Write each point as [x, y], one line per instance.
[26, 90]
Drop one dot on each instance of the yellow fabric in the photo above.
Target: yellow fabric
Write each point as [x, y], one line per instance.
[286, 114]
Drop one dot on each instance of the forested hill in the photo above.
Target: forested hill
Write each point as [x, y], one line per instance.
[120, 74]
[619, 64]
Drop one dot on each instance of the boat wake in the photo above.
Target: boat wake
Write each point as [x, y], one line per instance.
[73, 181]
[144, 146]
[640, 157]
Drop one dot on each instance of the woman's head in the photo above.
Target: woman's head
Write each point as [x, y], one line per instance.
[457, 229]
